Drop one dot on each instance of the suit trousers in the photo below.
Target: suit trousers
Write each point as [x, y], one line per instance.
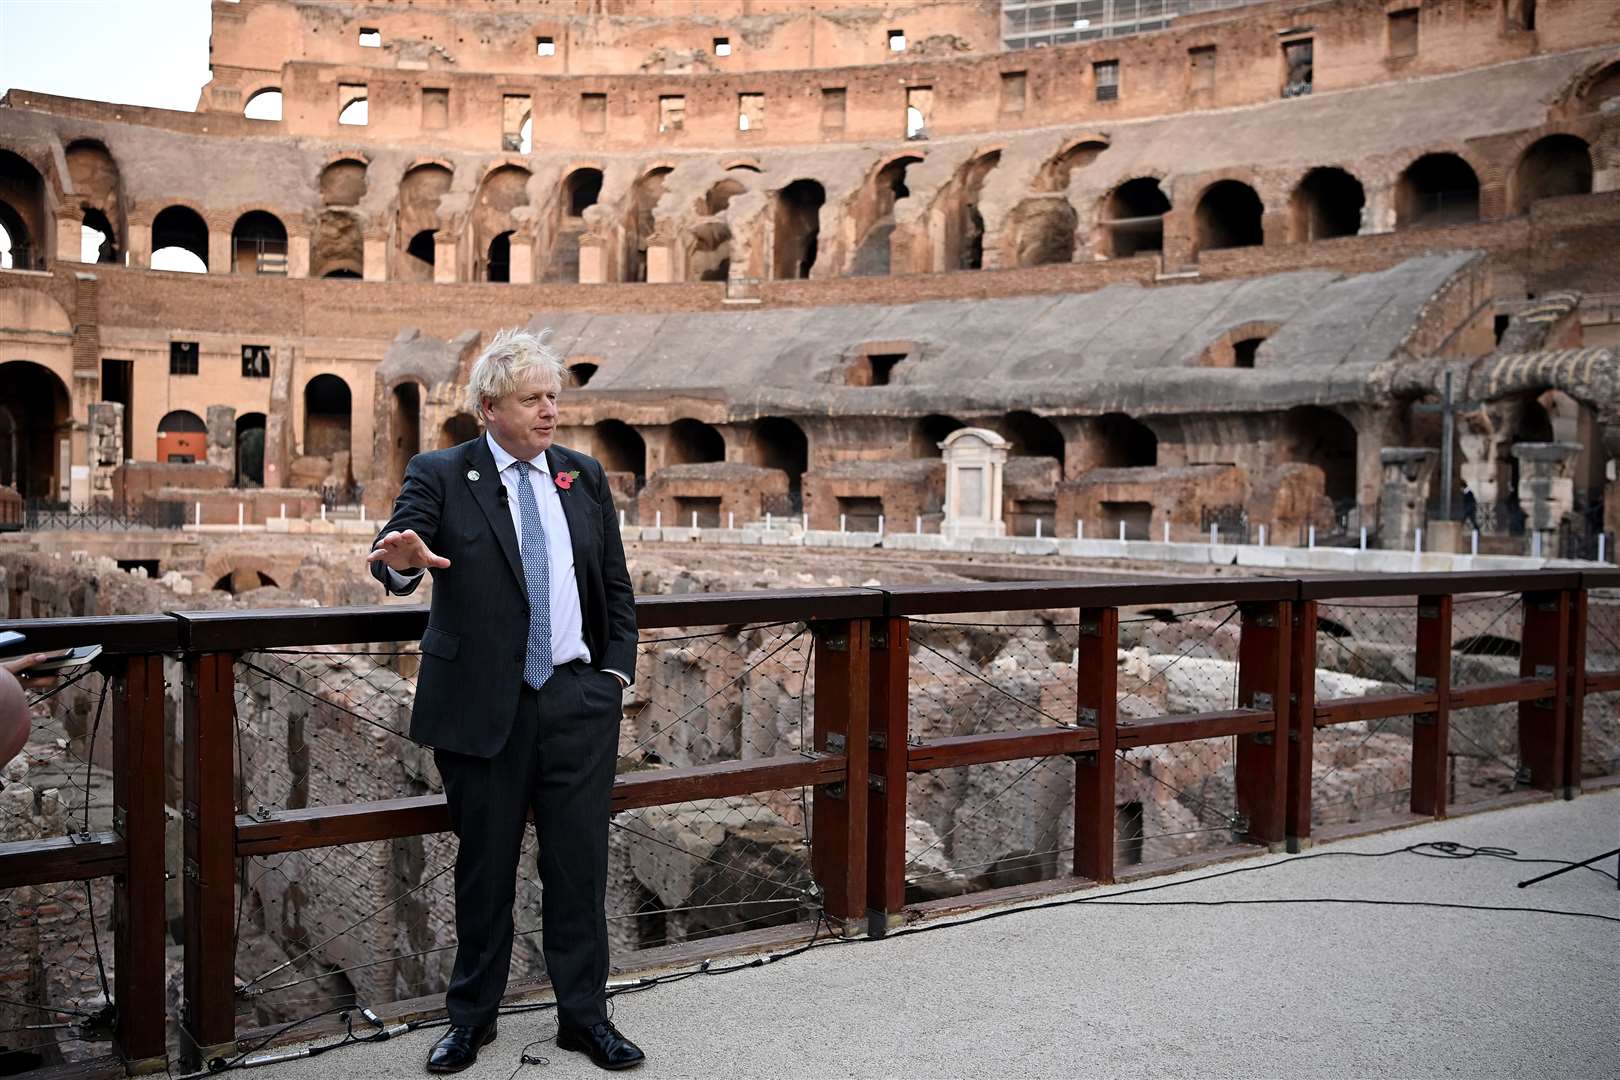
[558, 764]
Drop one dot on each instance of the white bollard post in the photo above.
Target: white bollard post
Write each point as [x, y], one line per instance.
[323, 511]
[658, 519]
[1602, 538]
[1167, 532]
[199, 513]
[731, 519]
[767, 521]
[1473, 543]
[283, 511]
[804, 521]
[1214, 534]
[1364, 538]
[694, 521]
[1417, 541]
[918, 529]
[362, 513]
[1122, 532]
[241, 517]
[1311, 540]
[843, 522]
[1262, 536]
[621, 519]
[1037, 528]
[1079, 529]
[1535, 544]
[880, 524]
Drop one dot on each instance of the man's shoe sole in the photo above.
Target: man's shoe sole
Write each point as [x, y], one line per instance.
[442, 1071]
[565, 1043]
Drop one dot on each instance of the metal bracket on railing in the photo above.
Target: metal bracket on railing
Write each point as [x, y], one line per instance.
[1088, 715]
[1090, 629]
[1265, 619]
[877, 740]
[1263, 700]
[836, 742]
[120, 819]
[833, 642]
[263, 812]
[193, 871]
[1428, 611]
[879, 639]
[875, 782]
[1263, 738]
[1546, 671]
[835, 791]
[1083, 757]
[1425, 683]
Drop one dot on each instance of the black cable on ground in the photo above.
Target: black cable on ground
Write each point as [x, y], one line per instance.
[1438, 849]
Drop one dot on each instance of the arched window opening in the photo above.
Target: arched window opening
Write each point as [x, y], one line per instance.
[798, 228]
[1437, 189]
[179, 231]
[581, 190]
[929, 432]
[779, 443]
[692, 442]
[98, 241]
[1043, 231]
[1055, 174]
[498, 266]
[327, 408]
[969, 222]
[421, 250]
[264, 105]
[620, 448]
[339, 248]
[526, 135]
[356, 112]
[582, 372]
[405, 422]
[720, 196]
[874, 211]
[343, 182]
[1125, 443]
[1327, 203]
[182, 438]
[1033, 436]
[7, 245]
[35, 424]
[1322, 437]
[259, 244]
[1133, 218]
[1228, 216]
[22, 213]
[460, 428]
[1244, 352]
[1554, 166]
[639, 228]
[916, 123]
[250, 450]
[241, 581]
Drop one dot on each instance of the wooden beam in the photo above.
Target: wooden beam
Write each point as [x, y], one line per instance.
[209, 867]
[1602, 682]
[1544, 719]
[1097, 714]
[1187, 727]
[1431, 728]
[890, 723]
[1575, 706]
[60, 858]
[1263, 684]
[1374, 707]
[1478, 695]
[1301, 724]
[839, 811]
[955, 751]
[141, 931]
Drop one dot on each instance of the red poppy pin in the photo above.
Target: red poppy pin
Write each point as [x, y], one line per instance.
[565, 480]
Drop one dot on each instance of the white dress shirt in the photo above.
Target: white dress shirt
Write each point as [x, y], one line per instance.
[567, 617]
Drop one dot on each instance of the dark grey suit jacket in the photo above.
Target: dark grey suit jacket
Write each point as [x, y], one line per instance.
[472, 652]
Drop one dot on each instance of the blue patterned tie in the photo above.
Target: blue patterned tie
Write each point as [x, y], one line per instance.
[537, 576]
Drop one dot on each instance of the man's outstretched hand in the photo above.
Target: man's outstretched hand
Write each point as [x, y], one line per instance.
[403, 552]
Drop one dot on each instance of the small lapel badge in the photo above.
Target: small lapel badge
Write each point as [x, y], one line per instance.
[472, 474]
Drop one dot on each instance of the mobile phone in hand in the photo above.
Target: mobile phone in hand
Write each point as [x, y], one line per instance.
[82, 654]
[11, 641]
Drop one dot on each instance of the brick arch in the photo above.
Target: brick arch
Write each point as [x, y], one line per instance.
[1582, 83]
[1222, 352]
[1486, 175]
[426, 159]
[347, 155]
[744, 162]
[223, 561]
[503, 161]
[1101, 211]
[291, 220]
[41, 160]
[143, 211]
[259, 88]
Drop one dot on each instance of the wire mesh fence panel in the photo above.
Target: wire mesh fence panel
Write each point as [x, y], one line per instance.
[56, 948]
[1600, 717]
[1177, 659]
[1361, 770]
[1486, 630]
[981, 673]
[1175, 800]
[976, 827]
[1482, 754]
[705, 695]
[708, 867]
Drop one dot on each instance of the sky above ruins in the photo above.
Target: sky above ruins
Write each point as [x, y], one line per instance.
[134, 52]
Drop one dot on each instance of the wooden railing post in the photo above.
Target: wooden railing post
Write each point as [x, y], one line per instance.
[1431, 732]
[1301, 725]
[142, 926]
[1544, 654]
[838, 845]
[1263, 683]
[209, 811]
[1575, 709]
[1097, 705]
[889, 718]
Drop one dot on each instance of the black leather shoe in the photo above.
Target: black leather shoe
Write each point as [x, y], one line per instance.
[459, 1047]
[603, 1043]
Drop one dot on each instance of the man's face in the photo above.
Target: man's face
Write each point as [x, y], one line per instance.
[525, 420]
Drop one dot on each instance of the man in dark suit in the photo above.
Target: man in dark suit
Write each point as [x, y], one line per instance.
[531, 640]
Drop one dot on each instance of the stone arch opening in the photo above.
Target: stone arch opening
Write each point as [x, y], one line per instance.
[418, 219]
[249, 471]
[1328, 202]
[1600, 89]
[244, 579]
[964, 238]
[1043, 230]
[405, 423]
[693, 442]
[1553, 166]
[638, 229]
[22, 213]
[343, 182]
[98, 187]
[1125, 443]
[779, 443]
[179, 232]
[328, 406]
[259, 244]
[1436, 189]
[501, 192]
[620, 448]
[1133, 219]
[182, 438]
[874, 216]
[929, 431]
[581, 189]
[34, 426]
[460, 428]
[264, 104]
[582, 372]
[98, 241]
[498, 259]
[1030, 435]
[720, 195]
[798, 228]
[339, 249]
[1321, 437]
[1228, 216]
[1055, 174]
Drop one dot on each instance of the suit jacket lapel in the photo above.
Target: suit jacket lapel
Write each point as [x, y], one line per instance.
[574, 509]
[486, 493]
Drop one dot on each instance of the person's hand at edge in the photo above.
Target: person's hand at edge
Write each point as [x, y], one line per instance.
[404, 551]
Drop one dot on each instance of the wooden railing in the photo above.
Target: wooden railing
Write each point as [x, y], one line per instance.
[859, 758]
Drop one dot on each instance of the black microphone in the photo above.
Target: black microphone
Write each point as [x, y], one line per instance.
[503, 495]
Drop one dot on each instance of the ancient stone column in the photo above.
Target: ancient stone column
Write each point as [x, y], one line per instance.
[106, 447]
[975, 459]
[222, 436]
[1546, 482]
[1403, 504]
